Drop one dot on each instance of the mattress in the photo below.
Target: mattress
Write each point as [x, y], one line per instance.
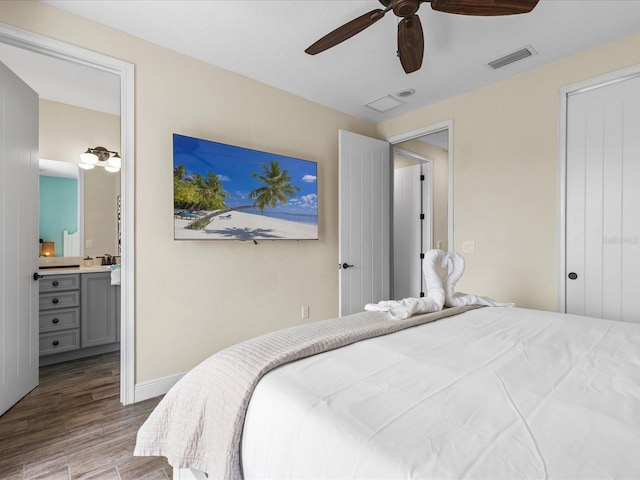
[490, 393]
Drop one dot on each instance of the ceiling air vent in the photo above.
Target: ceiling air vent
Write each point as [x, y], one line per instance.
[384, 104]
[512, 57]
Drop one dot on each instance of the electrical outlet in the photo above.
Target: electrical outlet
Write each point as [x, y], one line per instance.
[88, 244]
[469, 247]
[305, 312]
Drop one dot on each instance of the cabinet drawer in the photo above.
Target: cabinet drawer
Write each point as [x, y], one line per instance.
[54, 320]
[54, 283]
[55, 300]
[57, 342]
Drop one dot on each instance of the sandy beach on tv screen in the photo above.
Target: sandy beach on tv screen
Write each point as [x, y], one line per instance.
[246, 226]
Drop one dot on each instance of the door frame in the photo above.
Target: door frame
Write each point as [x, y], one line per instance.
[63, 51]
[421, 132]
[565, 92]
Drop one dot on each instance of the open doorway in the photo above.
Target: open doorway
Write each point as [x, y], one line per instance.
[412, 221]
[365, 248]
[423, 203]
[47, 53]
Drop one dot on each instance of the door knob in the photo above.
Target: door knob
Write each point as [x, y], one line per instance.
[573, 275]
[345, 265]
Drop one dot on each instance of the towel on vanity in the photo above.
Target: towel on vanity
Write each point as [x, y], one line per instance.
[116, 275]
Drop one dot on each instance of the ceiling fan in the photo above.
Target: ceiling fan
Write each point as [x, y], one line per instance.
[410, 36]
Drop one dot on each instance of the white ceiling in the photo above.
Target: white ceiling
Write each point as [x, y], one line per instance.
[265, 40]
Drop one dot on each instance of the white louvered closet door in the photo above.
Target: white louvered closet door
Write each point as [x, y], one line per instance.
[603, 202]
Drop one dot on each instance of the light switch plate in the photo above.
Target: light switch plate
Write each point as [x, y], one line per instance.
[469, 247]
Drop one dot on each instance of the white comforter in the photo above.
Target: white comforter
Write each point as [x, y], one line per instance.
[491, 393]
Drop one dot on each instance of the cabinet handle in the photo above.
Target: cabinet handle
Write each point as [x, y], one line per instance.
[55, 320]
[55, 343]
[55, 300]
[55, 283]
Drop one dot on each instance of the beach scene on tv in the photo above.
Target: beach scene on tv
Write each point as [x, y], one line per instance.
[225, 192]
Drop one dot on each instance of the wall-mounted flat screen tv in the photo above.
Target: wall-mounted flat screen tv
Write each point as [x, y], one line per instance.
[225, 192]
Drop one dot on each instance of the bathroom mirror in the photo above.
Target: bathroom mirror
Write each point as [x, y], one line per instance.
[81, 202]
[61, 206]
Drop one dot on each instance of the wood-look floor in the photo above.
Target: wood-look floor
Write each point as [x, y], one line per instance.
[73, 426]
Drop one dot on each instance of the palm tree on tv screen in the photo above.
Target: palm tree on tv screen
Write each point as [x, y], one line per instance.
[277, 189]
[197, 191]
[277, 186]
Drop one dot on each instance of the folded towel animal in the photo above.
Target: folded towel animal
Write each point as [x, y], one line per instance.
[455, 263]
[433, 302]
[436, 297]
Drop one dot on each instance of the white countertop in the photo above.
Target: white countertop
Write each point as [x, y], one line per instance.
[69, 270]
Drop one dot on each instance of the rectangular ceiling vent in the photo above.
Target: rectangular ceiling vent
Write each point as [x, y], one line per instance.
[512, 57]
[384, 104]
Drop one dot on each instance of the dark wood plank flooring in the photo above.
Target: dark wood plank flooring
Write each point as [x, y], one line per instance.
[73, 426]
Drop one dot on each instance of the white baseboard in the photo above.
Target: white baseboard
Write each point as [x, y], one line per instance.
[155, 388]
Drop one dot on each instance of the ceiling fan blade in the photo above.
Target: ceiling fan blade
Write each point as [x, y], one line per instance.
[346, 31]
[486, 8]
[410, 43]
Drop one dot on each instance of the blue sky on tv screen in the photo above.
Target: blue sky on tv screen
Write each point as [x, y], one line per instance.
[234, 165]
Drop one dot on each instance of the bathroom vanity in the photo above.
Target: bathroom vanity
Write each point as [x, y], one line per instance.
[79, 313]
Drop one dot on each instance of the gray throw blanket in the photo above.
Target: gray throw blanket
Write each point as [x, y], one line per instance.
[199, 422]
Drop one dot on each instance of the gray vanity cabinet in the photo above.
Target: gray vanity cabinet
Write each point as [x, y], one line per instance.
[79, 316]
[98, 310]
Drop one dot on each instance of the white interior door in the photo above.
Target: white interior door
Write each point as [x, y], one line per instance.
[411, 228]
[407, 232]
[603, 202]
[18, 238]
[365, 221]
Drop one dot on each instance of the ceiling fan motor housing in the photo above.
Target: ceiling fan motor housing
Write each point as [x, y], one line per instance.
[402, 8]
[406, 8]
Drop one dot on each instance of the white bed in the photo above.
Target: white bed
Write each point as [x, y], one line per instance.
[488, 393]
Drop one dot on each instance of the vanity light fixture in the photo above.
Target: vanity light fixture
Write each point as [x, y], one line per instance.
[101, 157]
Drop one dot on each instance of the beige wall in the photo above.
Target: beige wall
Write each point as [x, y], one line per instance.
[65, 132]
[198, 297]
[506, 173]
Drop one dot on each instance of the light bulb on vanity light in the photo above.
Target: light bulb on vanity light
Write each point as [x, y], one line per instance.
[115, 162]
[89, 158]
